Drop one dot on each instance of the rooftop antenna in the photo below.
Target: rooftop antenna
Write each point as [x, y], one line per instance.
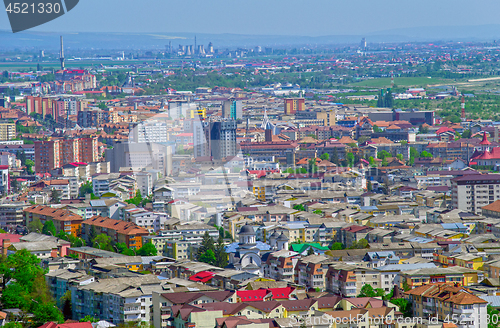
[61, 58]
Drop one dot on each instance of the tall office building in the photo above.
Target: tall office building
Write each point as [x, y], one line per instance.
[215, 138]
[221, 136]
[232, 108]
[293, 105]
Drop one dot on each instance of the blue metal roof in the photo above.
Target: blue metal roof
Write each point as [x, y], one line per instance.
[231, 248]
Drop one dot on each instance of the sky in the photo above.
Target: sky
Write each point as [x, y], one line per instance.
[268, 17]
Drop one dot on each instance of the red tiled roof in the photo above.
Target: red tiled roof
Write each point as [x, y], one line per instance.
[121, 227]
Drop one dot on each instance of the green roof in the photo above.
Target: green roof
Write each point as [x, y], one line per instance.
[299, 248]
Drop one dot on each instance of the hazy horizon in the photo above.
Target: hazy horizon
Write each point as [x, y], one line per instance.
[260, 17]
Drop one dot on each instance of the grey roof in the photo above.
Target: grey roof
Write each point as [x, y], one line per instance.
[33, 236]
[45, 246]
[97, 203]
[494, 301]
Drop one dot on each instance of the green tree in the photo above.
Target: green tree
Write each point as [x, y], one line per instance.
[49, 228]
[92, 235]
[148, 249]
[220, 253]
[208, 257]
[376, 129]
[367, 291]
[313, 168]
[350, 159]
[383, 154]
[425, 154]
[388, 100]
[335, 156]
[45, 312]
[102, 241]
[492, 313]
[360, 244]
[206, 244]
[29, 166]
[299, 207]
[400, 157]
[26, 288]
[310, 251]
[55, 196]
[123, 249]
[67, 305]
[86, 188]
[88, 318]
[137, 200]
[325, 157]
[423, 129]
[467, 134]
[405, 307]
[337, 246]
[380, 99]
[319, 212]
[369, 186]
[35, 226]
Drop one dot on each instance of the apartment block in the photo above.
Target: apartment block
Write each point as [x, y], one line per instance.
[7, 131]
[119, 231]
[293, 105]
[64, 220]
[472, 192]
[443, 300]
[347, 280]
[47, 155]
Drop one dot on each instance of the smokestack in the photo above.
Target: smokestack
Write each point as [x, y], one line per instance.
[62, 54]
[495, 134]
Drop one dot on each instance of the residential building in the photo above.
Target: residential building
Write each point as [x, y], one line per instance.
[441, 300]
[347, 280]
[293, 105]
[64, 220]
[11, 214]
[472, 192]
[119, 231]
[7, 131]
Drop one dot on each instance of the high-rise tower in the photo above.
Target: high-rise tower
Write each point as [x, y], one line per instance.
[61, 57]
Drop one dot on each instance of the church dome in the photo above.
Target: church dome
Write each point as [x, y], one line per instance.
[282, 237]
[246, 229]
[275, 234]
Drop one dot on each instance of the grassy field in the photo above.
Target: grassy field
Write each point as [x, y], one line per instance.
[401, 82]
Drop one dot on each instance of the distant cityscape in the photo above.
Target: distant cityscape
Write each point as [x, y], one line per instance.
[200, 186]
